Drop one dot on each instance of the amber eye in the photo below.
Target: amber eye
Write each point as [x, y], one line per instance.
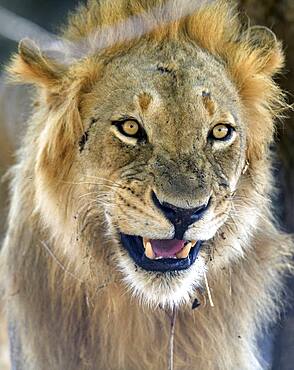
[130, 128]
[221, 132]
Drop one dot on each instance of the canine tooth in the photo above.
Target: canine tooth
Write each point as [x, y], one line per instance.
[145, 241]
[193, 242]
[149, 251]
[185, 251]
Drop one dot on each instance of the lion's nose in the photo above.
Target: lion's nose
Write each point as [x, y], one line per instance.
[181, 218]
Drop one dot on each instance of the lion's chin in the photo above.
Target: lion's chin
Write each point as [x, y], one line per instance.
[162, 288]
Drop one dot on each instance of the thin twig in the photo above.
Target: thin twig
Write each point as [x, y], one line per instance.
[208, 290]
[173, 318]
[58, 262]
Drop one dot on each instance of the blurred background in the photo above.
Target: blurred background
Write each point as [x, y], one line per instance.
[275, 14]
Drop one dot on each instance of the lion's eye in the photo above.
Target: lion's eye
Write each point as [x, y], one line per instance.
[130, 128]
[221, 132]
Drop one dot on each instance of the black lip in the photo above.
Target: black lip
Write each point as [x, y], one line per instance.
[134, 246]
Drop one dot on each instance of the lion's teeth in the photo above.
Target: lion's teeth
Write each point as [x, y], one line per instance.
[184, 253]
[149, 251]
[145, 241]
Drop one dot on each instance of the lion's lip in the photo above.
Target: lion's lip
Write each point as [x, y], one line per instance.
[166, 251]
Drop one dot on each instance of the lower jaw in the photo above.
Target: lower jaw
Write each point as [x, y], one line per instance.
[134, 246]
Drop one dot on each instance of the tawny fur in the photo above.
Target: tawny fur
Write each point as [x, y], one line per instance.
[72, 293]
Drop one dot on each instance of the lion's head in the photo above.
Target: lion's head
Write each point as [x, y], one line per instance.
[151, 153]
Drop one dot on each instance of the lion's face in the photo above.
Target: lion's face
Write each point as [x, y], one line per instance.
[160, 160]
[138, 151]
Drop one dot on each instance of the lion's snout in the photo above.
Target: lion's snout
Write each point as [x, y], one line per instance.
[181, 218]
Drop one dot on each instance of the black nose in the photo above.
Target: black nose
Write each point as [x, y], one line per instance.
[181, 218]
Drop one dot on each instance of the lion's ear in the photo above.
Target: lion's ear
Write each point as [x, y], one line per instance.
[32, 66]
[270, 49]
[253, 60]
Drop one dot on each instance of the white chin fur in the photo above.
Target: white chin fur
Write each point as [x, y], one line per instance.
[161, 289]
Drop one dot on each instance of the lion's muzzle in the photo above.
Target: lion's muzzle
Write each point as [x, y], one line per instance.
[181, 218]
[167, 254]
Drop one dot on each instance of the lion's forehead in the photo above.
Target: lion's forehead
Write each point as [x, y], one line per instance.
[176, 97]
[174, 76]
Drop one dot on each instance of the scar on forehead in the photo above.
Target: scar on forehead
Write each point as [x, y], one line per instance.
[167, 67]
[144, 100]
[208, 102]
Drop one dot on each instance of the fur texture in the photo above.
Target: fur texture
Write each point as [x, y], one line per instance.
[75, 297]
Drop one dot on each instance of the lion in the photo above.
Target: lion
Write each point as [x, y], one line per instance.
[140, 232]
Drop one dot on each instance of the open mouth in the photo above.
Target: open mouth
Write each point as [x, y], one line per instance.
[161, 255]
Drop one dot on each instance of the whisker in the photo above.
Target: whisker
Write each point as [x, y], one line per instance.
[88, 205]
[93, 201]
[98, 194]
[88, 183]
[100, 178]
